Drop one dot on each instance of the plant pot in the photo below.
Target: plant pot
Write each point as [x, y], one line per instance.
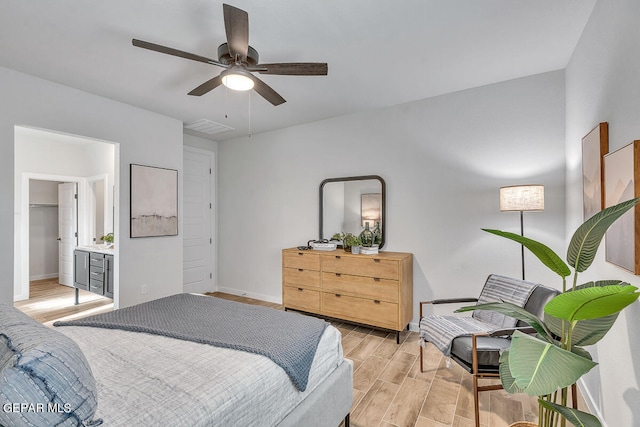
[355, 250]
[524, 424]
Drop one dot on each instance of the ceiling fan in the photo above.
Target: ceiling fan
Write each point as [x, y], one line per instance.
[240, 60]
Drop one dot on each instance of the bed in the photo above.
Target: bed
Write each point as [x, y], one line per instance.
[148, 379]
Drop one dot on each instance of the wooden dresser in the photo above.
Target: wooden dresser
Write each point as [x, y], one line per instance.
[375, 290]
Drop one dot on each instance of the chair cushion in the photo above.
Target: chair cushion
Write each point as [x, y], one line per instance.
[538, 299]
[502, 289]
[488, 349]
[45, 379]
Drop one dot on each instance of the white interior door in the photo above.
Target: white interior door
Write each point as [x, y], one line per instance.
[67, 230]
[198, 239]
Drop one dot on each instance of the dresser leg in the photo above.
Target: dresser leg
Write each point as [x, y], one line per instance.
[397, 337]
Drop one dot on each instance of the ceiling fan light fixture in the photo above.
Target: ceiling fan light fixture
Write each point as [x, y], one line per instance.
[237, 79]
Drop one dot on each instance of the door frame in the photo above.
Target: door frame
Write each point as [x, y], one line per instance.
[21, 287]
[213, 226]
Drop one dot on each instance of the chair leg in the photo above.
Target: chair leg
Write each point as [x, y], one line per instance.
[421, 366]
[476, 405]
[574, 396]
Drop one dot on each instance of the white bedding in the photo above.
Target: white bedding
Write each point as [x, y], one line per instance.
[149, 380]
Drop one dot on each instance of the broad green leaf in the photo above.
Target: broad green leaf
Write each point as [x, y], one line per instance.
[547, 256]
[507, 380]
[585, 241]
[585, 332]
[514, 311]
[575, 417]
[581, 352]
[540, 368]
[591, 303]
[600, 283]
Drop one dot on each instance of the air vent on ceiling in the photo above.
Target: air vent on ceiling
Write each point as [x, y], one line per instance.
[207, 126]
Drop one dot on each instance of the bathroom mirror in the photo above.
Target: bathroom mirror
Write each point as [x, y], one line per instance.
[347, 203]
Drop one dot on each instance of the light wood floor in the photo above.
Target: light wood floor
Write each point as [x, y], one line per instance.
[389, 389]
[49, 301]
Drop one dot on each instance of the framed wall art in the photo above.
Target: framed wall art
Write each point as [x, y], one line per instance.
[154, 201]
[622, 182]
[594, 146]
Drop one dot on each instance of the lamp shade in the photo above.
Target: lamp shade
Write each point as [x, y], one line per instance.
[522, 198]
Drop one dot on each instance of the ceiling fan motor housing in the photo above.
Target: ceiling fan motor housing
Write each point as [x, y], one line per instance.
[225, 57]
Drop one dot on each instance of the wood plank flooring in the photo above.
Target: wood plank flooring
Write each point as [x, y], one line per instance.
[388, 388]
[49, 301]
[390, 391]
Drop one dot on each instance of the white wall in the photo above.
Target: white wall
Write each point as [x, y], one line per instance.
[143, 137]
[603, 85]
[443, 160]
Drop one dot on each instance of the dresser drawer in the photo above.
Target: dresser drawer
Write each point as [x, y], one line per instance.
[301, 299]
[96, 259]
[361, 265]
[301, 259]
[96, 273]
[382, 289]
[301, 276]
[362, 310]
[96, 286]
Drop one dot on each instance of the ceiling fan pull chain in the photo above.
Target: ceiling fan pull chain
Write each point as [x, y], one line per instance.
[226, 104]
[249, 114]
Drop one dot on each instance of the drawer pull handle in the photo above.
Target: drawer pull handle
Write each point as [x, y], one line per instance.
[300, 289]
[338, 256]
[301, 270]
[338, 295]
[376, 301]
[376, 279]
[300, 253]
[376, 260]
[338, 275]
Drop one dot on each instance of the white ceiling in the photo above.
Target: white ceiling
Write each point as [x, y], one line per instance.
[380, 52]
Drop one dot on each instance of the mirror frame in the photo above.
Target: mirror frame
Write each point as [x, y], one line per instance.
[357, 178]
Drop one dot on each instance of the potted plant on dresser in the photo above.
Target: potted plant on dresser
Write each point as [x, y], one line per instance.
[547, 364]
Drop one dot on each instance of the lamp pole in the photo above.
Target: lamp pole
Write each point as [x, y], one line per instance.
[521, 245]
[520, 198]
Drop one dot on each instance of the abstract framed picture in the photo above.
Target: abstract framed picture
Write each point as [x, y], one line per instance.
[594, 146]
[622, 182]
[154, 201]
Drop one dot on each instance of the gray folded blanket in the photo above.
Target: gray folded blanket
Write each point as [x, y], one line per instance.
[288, 339]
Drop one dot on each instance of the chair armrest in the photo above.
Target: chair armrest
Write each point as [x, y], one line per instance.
[509, 331]
[447, 301]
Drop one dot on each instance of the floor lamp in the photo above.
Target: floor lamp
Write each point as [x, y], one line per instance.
[521, 198]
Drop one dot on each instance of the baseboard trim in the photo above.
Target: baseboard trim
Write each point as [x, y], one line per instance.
[591, 405]
[43, 276]
[254, 295]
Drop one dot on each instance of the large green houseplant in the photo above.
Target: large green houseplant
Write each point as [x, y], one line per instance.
[546, 364]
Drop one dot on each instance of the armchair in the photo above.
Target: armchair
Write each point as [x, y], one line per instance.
[475, 342]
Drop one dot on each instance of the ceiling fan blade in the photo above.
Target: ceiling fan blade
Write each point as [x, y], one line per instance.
[236, 24]
[207, 86]
[293, 68]
[175, 52]
[266, 91]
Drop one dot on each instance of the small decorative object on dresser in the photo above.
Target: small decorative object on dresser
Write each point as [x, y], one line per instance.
[373, 290]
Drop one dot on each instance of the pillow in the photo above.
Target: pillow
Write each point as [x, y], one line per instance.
[45, 379]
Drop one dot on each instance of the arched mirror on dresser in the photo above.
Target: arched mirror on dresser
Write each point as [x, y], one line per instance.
[348, 203]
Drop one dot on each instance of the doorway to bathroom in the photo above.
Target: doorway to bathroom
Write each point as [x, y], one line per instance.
[64, 197]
